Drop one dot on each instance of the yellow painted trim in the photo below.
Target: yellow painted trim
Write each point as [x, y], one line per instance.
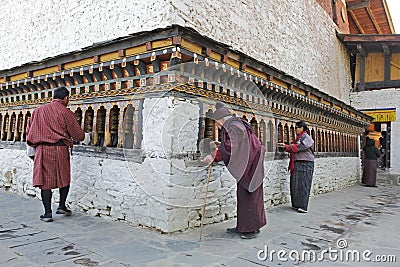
[161, 43]
[233, 63]
[19, 76]
[298, 90]
[109, 56]
[280, 83]
[191, 46]
[215, 56]
[135, 50]
[314, 97]
[78, 63]
[326, 102]
[45, 71]
[337, 107]
[256, 72]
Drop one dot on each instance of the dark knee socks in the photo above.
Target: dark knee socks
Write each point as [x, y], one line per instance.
[63, 196]
[46, 199]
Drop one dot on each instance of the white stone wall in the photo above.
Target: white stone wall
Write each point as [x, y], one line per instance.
[381, 99]
[166, 195]
[170, 126]
[34, 30]
[166, 191]
[297, 37]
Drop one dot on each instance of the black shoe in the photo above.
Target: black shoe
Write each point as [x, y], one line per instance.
[48, 217]
[232, 230]
[295, 208]
[302, 210]
[64, 211]
[250, 235]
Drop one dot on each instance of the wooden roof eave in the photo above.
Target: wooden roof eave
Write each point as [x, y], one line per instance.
[385, 6]
[171, 31]
[367, 17]
[371, 42]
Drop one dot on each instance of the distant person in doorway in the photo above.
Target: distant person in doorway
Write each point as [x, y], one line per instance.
[371, 154]
[52, 129]
[382, 158]
[243, 154]
[301, 167]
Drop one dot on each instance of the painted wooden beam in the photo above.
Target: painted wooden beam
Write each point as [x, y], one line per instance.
[361, 50]
[386, 69]
[353, 17]
[383, 84]
[374, 21]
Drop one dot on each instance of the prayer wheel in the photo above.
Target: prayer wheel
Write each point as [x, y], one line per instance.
[128, 128]
[209, 128]
[27, 118]
[6, 127]
[114, 126]
[78, 115]
[280, 133]
[101, 123]
[88, 127]
[261, 136]
[12, 130]
[20, 128]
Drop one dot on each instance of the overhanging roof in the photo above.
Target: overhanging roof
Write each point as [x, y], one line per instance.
[371, 43]
[369, 17]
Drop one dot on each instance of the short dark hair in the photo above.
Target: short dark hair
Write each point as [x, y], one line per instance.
[300, 124]
[60, 93]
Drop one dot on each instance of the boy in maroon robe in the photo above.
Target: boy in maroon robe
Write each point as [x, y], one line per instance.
[52, 130]
[243, 154]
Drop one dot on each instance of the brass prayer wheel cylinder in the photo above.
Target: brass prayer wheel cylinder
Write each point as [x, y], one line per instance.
[20, 125]
[88, 127]
[114, 120]
[101, 121]
[78, 115]
[209, 128]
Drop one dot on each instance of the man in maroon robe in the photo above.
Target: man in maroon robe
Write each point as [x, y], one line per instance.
[52, 129]
[243, 154]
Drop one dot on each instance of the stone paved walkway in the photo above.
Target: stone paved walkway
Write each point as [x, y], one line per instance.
[361, 217]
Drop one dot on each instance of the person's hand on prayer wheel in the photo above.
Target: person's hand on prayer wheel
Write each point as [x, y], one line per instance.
[281, 146]
[208, 159]
[216, 143]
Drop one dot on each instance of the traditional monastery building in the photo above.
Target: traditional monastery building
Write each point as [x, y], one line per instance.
[144, 77]
[375, 57]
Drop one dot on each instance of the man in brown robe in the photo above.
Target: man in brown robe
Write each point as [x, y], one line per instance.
[52, 129]
[243, 154]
